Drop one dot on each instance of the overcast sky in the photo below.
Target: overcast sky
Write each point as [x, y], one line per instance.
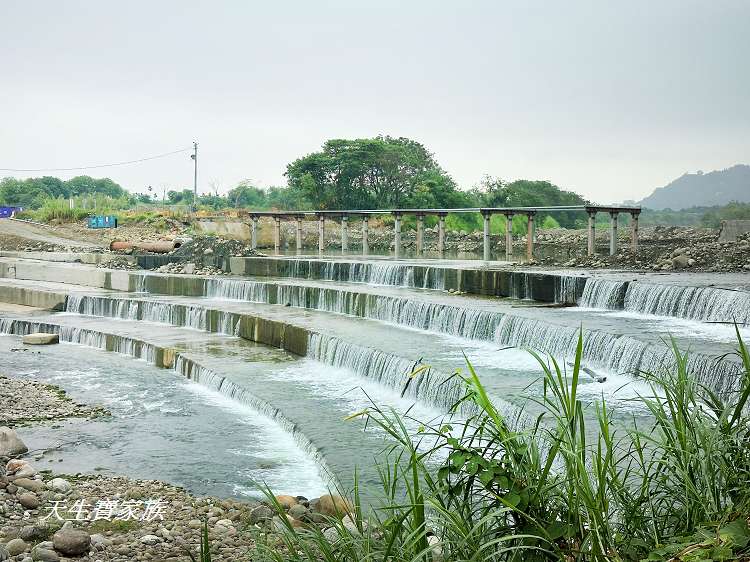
[609, 99]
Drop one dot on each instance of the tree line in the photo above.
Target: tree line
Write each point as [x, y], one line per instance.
[380, 172]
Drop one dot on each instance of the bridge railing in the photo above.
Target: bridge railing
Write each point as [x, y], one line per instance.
[486, 212]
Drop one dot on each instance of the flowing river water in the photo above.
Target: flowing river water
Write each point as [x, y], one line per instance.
[229, 414]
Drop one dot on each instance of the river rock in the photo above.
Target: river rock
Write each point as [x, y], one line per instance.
[29, 500]
[10, 444]
[436, 547]
[680, 262]
[25, 471]
[14, 465]
[260, 514]
[44, 555]
[60, 485]
[286, 501]
[4, 554]
[150, 540]
[298, 511]
[100, 542]
[28, 484]
[71, 542]
[16, 547]
[41, 338]
[331, 506]
[34, 533]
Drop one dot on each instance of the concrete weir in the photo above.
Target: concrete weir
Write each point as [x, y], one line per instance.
[304, 341]
[500, 282]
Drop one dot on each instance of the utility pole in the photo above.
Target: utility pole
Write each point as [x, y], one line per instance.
[194, 156]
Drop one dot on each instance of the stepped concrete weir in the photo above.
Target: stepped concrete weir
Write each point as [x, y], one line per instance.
[306, 341]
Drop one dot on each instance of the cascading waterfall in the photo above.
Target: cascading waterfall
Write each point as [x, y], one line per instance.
[83, 336]
[193, 370]
[434, 278]
[603, 293]
[198, 318]
[373, 273]
[430, 386]
[616, 353]
[568, 288]
[706, 304]
[236, 289]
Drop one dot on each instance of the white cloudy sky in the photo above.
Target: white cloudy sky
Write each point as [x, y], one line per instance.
[610, 99]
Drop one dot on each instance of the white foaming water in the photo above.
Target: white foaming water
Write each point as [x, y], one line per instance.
[293, 471]
[356, 391]
[212, 380]
[688, 328]
[603, 293]
[695, 303]
[618, 391]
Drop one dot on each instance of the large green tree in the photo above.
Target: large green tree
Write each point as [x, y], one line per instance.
[371, 173]
[494, 192]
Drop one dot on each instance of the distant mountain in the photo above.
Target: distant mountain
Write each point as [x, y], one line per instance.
[702, 190]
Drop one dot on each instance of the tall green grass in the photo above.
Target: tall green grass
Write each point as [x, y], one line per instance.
[676, 488]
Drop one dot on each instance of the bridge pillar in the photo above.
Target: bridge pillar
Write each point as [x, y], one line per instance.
[486, 236]
[441, 235]
[276, 234]
[530, 237]
[612, 233]
[365, 241]
[509, 236]
[397, 235]
[592, 233]
[420, 234]
[344, 234]
[254, 234]
[299, 235]
[321, 234]
[634, 230]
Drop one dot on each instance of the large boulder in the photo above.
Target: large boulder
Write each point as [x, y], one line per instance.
[331, 505]
[41, 339]
[10, 444]
[71, 542]
[286, 501]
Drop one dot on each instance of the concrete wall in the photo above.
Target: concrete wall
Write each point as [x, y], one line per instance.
[731, 229]
[50, 300]
[226, 229]
[89, 258]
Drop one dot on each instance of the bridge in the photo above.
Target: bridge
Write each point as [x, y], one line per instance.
[363, 215]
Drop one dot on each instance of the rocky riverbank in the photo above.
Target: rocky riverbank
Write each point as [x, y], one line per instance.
[50, 517]
[23, 402]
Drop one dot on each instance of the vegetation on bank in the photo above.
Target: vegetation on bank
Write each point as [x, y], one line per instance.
[676, 488]
[380, 172]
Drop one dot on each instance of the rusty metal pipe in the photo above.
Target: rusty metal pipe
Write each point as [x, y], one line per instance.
[162, 247]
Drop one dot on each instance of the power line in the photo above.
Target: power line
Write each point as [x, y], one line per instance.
[98, 165]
